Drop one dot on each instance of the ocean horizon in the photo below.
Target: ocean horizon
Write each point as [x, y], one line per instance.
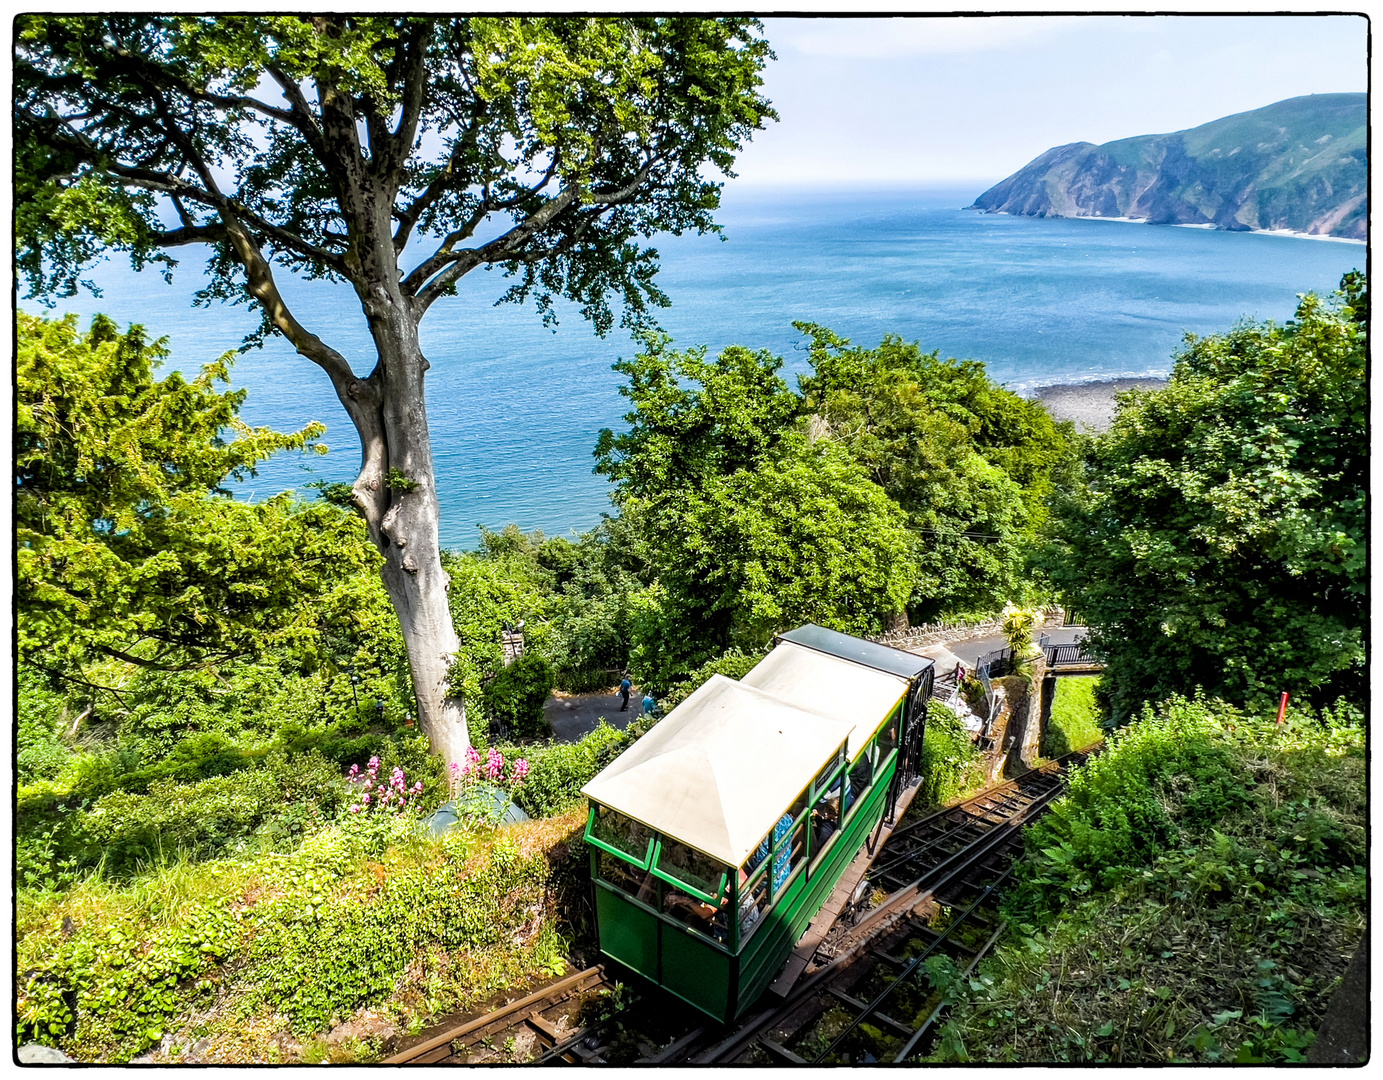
[515, 407]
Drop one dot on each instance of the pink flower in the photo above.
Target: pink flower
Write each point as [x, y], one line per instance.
[355, 809]
[472, 755]
[455, 769]
[494, 767]
[365, 798]
[418, 787]
[520, 770]
[354, 769]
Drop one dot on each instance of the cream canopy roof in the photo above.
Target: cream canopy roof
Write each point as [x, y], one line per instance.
[719, 770]
[841, 689]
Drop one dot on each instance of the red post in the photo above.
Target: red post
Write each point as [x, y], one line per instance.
[1282, 708]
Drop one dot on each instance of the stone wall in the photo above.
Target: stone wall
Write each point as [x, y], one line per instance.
[937, 633]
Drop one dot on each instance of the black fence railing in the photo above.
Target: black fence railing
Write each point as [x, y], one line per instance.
[996, 663]
[1067, 655]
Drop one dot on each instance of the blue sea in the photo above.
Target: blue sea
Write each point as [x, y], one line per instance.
[515, 407]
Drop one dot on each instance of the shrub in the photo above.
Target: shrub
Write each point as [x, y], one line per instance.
[1221, 946]
[303, 939]
[557, 772]
[513, 699]
[733, 664]
[201, 818]
[951, 766]
[1171, 772]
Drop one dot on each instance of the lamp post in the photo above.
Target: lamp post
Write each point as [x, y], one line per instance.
[356, 697]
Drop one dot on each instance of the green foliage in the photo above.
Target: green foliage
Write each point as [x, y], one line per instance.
[951, 766]
[746, 524]
[624, 111]
[557, 772]
[127, 544]
[1075, 718]
[202, 818]
[1221, 541]
[307, 937]
[732, 664]
[1170, 773]
[514, 697]
[972, 464]
[497, 587]
[41, 715]
[1220, 942]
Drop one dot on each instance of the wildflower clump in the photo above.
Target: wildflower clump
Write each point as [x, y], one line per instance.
[380, 796]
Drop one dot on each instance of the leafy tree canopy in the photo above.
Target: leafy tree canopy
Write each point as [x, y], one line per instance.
[585, 134]
[747, 525]
[397, 154]
[128, 543]
[1221, 541]
[971, 463]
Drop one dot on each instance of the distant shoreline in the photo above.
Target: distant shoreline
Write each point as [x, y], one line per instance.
[1182, 225]
[1091, 404]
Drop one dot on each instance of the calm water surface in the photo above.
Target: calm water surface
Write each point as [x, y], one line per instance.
[515, 407]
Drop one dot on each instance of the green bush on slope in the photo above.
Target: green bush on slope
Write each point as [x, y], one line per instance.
[1196, 898]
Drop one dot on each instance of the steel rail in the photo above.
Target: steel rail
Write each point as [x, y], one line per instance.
[548, 996]
[900, 903]
[912, 965]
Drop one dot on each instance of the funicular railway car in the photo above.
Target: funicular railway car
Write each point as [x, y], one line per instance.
[716, 838]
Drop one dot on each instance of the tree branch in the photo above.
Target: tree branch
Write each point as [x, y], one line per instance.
[414, 87]
[300, 116]
[496, 250]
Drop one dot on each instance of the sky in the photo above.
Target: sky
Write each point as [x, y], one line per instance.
[917, 100]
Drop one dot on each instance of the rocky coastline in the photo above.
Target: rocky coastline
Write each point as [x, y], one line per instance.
[1091, 404]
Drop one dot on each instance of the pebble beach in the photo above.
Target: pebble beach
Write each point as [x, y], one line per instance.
[1090, 405]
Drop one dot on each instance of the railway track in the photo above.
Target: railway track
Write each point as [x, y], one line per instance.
[556, 1016]
[867, 994]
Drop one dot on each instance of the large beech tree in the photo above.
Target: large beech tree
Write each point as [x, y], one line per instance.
[396, 154]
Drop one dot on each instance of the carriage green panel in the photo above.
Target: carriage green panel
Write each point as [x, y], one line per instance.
[762, 956]
[628, 931]
[696, 971]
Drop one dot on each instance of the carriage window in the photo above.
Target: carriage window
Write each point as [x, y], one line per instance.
[691, 867]
[621, 833]
[640, 884]
[826, 777]
[709, 919]
[754, 898]
[825, 818]
[861, 777]
[787, 841]
[888, 735]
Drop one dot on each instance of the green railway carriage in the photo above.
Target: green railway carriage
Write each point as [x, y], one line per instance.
[717, 837]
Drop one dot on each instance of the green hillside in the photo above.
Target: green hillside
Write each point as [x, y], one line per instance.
[1299, 164]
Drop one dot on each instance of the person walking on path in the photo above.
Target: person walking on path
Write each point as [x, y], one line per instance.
[624, 687]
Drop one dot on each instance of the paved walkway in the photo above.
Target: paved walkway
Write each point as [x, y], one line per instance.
[575, 715]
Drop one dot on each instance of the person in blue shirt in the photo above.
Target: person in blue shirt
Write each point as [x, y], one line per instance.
[782, 861]
[624, 687]
[649, 704]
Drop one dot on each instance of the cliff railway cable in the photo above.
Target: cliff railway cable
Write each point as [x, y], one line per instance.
[932, 890]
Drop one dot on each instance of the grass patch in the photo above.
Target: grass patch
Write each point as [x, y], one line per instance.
[1075, 718]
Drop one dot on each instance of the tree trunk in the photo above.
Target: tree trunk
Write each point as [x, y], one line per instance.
[397, 494]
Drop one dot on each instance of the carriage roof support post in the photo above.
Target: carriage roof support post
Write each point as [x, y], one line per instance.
[912, 732]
